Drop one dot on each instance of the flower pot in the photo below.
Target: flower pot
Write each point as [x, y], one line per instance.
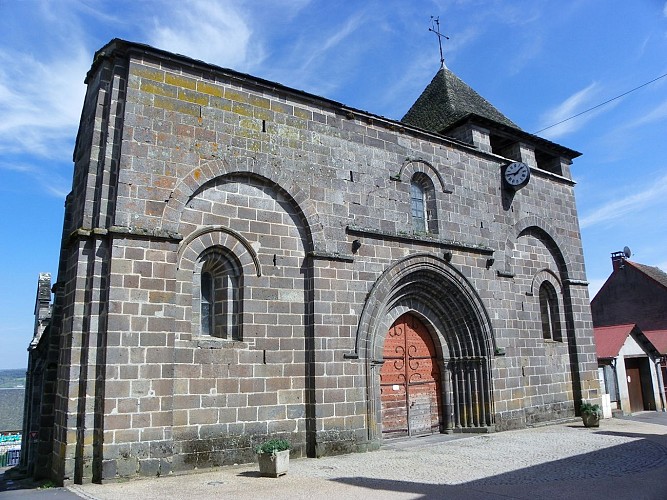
[273, 464]
[591, 419]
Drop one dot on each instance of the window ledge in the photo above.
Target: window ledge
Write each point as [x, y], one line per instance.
[424, 238]
[217, 343]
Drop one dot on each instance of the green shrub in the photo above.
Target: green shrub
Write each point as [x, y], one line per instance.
[590, 409]
[273, 446]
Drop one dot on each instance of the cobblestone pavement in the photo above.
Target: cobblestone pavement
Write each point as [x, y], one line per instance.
[621, 459]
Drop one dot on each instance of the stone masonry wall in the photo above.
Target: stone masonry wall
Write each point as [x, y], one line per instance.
[288, 182]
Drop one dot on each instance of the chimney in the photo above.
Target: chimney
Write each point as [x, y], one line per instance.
[618, 260]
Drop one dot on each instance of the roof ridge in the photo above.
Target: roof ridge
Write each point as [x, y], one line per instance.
[653, 272]
[618, 325]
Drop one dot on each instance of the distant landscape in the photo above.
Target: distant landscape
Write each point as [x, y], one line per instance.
[12, 378]
[12, 387]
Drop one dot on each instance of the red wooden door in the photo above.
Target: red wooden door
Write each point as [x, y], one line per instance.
[635, 389]
[410, 380]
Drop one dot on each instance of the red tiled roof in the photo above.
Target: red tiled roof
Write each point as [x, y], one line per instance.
[610, 339]
[659, 339]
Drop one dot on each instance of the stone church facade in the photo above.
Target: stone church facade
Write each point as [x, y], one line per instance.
[243, 260]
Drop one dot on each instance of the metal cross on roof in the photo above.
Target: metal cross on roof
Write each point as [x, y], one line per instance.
[435, 28]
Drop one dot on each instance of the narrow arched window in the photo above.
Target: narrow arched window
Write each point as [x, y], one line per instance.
[220, 290]
[207, 303]
[423, 204]
[549, 312]
[418, 204]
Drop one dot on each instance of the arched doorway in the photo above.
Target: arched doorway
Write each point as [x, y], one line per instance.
[410, 385]
[431, 289]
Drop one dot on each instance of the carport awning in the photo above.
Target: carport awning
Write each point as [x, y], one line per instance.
[659, 339]
[610, 339]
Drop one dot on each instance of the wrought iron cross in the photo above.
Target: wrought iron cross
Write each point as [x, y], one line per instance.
[435, 28]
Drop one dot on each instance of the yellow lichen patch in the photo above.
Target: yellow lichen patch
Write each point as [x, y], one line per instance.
[235, 95]
[149, 73]
[280, 107]
[188, 95]
[263, 114]
[207, 88]
[303, 113]
[177, 106]
[287, 132]
[250, 124]
[249, 134]
[260, 102]
[255, 146]
[220, 103]
[242, 109]
[180, 81]
[157, 88]
[196, 174]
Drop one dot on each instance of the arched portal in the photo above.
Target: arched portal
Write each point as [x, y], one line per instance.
[410, 388]
[454, 316]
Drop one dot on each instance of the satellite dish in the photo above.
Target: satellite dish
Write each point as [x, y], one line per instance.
[627, 252]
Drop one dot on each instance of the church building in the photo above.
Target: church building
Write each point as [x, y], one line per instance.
[241, 260]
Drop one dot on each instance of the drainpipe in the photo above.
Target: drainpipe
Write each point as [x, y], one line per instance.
[617, 393]
[661, 382]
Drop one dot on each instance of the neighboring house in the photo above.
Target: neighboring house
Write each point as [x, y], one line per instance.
[633, 293]
[243, 260]
[630, 320]
[626, 354]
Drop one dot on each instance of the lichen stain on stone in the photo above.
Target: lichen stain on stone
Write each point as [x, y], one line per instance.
[197, 174]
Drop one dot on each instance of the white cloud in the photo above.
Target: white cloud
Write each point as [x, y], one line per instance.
[332, 41]
[52, 181]
[212, 32]
[571, 106]
[615, 210]
[40, 102]
[658, 113]
[528, 51]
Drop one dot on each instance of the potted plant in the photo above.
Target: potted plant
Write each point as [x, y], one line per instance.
[273, 456]
[590, 414]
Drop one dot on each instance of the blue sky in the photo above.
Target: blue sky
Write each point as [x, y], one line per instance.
[537, 61]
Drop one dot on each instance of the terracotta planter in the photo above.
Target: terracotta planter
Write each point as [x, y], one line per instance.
[273, 465]
[591, 419]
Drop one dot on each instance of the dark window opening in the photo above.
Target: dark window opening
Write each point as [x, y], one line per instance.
[549, 312]
[423, 204]
[220, 301]
[548, 162]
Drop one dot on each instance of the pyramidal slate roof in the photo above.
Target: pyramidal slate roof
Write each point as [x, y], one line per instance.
[446, 100]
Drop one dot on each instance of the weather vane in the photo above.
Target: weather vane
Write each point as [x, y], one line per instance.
[435, 28]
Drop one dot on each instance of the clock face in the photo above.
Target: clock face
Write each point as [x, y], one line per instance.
[516, 174]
